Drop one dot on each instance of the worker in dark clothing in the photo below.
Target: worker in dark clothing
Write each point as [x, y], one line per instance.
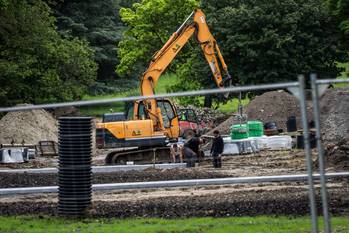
[189, 156]
[194, 143]
[217, 149]
[191, 150]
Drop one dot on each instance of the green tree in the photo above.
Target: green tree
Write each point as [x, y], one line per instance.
[340, 9]
[36, 64]
[3, 3]
[269, 41]
[99, 23]
[150, 24]
[263, 41]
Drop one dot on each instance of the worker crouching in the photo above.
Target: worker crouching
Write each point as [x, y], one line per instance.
[217, 149]
[191, 149]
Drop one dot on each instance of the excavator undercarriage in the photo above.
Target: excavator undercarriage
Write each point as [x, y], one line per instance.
[139, 156]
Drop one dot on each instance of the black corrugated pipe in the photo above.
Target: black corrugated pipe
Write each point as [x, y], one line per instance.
[74, 171]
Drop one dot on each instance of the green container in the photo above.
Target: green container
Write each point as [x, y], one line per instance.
[255, 128]
[239, 131]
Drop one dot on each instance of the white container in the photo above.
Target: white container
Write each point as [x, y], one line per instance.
[283, 142]
[262, 142]
[5, 156]
[17, 155]
[240, 146]
[230, 149]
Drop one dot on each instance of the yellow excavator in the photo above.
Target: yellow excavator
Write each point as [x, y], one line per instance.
[151, 124]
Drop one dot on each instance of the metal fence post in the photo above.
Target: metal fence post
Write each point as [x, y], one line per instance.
[316, 109]
[307, 150]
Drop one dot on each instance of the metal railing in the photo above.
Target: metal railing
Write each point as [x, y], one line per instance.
[176, 183]
[315, 84]
[298, 90]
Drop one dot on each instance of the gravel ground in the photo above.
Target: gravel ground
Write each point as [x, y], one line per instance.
[264, 163]
[290, 198]
[217, 201]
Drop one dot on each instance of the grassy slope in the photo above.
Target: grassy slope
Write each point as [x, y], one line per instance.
[164, 82]
[265, 224]
[345, 74]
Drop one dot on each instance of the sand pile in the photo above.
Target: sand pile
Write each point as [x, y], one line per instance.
[28, 126]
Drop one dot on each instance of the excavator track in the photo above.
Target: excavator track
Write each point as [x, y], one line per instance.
[139, 156]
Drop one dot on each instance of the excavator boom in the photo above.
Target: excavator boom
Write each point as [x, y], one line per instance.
[169, 51]
[152, 123]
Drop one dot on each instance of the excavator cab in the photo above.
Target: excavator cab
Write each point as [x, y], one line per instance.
[137, 111]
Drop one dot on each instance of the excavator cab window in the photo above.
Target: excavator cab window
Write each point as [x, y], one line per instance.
[129, 112]
[142, 114]
[167, 112]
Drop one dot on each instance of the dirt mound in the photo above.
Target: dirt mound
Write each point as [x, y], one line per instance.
[224, 127]
[28, 126]
[274, 106]
[335, 127]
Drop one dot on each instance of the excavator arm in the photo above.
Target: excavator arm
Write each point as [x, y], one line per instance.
[169, 51]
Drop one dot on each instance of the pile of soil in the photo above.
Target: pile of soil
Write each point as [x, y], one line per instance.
[29, 127]
[335, 127]
[273, 106]
[276, 106]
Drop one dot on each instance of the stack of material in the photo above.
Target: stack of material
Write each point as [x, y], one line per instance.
[255, 128]
[255, 144]
[239, 131]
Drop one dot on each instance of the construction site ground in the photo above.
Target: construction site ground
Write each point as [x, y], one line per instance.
[284, 198]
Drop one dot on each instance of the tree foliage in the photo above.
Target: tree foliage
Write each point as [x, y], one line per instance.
[262, 41]
[340, 9]
[99, 23]
[36, 64]
[150, 24]
[269, 41]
